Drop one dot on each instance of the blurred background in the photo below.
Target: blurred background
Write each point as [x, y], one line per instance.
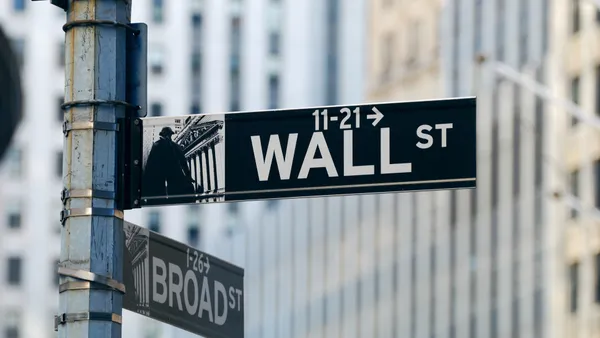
[517, 257]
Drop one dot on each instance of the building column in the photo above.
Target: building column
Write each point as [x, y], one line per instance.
[206, 170]
[215, 167]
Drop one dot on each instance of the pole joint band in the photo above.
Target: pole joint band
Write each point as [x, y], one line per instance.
[70, 104]
[79, 212]
[108, 126]
[86, 193]
[92, 278]
[82, 316]
[78, 23]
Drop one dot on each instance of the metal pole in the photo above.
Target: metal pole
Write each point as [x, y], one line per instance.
[91, 296]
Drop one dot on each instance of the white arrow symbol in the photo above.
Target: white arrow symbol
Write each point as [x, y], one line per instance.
[207, 264]
[377, 116]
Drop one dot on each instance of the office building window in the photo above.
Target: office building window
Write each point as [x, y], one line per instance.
[387, 54]
[154, 221]
[195, 109]
[156, 109]
[524, 36]
[196, 20]
[597, 183]
[18, 47]
[158, 11]
[59, 164]
[575, 16]
[12, 323]
[19, 5]
[14, 162]
[274, 38]
[61, 54]
[453, 208]
[598, 90]
[233, 208]
[60, 114]
[196, 62]
[597, 286]
[54, 272]
[575, 82]
[14, 214]
[573, 286]
[156, 58]
[516, 141]
[574, 181]
[273, 91]
[14, 271]
[413, 43]
[193, 235]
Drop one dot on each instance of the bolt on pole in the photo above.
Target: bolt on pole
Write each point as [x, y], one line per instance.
[91, 259]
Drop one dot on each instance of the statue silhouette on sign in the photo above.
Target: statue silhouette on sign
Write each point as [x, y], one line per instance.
[167, 171]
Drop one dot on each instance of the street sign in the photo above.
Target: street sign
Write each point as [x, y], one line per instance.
[320, 151]
[181, 286]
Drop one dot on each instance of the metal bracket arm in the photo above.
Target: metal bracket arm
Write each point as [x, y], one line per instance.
[86, 193]
[108, 126]
[92, 277]
[81, 316]
[79, 212]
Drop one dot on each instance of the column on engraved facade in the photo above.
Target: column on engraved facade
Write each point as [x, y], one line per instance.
[197, 169]
[220, 159]
[215, 167]
[205, 170]
[211, 166]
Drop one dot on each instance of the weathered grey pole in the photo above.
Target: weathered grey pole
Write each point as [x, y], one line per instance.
[91, 296]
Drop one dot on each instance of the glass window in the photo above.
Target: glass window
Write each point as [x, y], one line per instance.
[598, 90]
[54, 272]
[574, 286]
[61, 54]
[154, 221]
[12, 324]
[574, 180]
[597, 286]
[575, 16]
[196, 62]
[156, 109]
[196, 20]
[14, 162]
[19, 5]
[60, 114]
[157, 11]
[597, 188]
[14, 214]
[273, 91]
[59, 164]
[387, 54]
[193, 235]
[156, 58]
[14, 271]
[18, 47]
[575, 96]
[274, 38]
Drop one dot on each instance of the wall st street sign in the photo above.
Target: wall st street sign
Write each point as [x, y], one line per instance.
[181, 286]
[320, 151]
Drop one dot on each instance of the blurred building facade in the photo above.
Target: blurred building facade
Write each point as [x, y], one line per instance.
[204, 56]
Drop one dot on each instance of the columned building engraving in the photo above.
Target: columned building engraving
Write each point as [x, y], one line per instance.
[202, 141]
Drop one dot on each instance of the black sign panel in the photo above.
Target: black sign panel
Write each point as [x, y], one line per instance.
[181, 286]
[369, 148]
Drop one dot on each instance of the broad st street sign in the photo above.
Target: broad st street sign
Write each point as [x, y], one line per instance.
[320, 151]
[181, 286]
